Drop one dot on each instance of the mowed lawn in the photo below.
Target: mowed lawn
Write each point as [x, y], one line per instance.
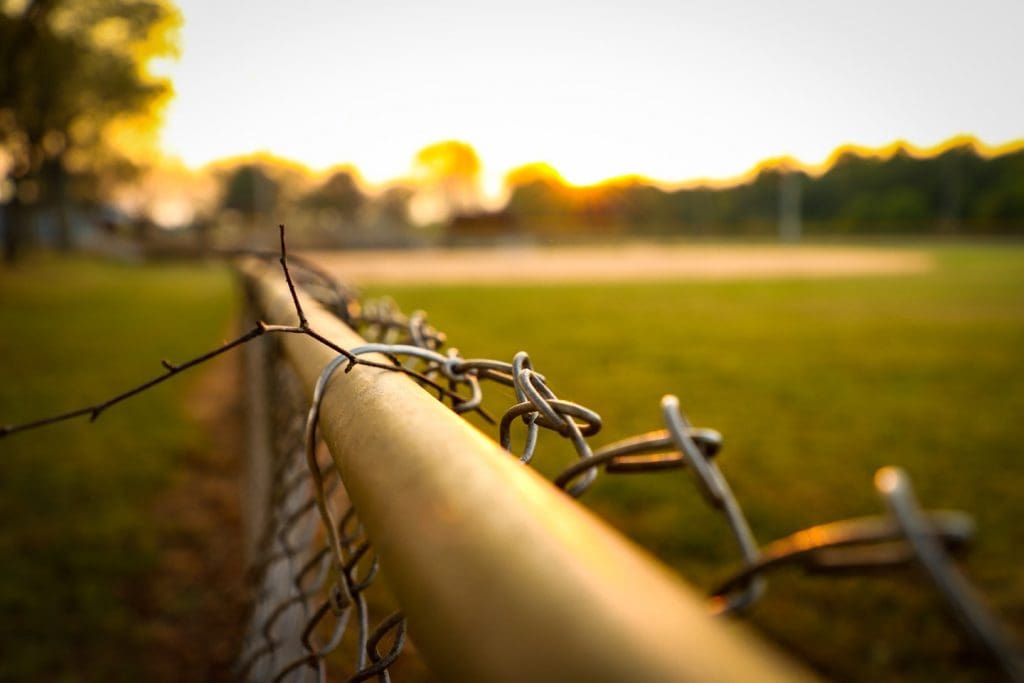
[79, 536]
[815, 383]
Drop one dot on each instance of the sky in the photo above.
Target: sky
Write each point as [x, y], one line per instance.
[675, 90]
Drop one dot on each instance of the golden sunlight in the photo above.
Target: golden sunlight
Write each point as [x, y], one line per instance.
[664, 90]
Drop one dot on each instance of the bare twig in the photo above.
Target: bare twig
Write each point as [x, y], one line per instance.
[293, 259]
[94, 411]
[303, 323]
[261, 328]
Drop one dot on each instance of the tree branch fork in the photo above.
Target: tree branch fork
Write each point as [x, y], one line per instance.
[260, 329]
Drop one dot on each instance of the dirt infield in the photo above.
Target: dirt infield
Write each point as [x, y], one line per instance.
[617, 264]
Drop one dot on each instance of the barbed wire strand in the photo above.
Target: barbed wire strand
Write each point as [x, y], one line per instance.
[308, 572]
[869, 543]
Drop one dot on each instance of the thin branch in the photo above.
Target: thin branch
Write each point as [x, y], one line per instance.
[94, 411]
[261, 328]
[352, 360]
[303, 323]
[305, 264]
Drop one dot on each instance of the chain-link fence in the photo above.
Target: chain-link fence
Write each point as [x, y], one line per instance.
[313, 614]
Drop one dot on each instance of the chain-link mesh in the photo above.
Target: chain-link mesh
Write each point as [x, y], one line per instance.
[314, 565]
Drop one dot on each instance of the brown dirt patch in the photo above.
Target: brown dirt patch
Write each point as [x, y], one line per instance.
[629, 262]
[195, 600]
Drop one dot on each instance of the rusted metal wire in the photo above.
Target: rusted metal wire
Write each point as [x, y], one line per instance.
[315, 564]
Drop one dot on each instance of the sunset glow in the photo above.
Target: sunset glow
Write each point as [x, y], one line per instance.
[672, 91]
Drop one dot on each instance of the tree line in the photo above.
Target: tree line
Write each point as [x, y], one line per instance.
[73, 78]
[959, 190]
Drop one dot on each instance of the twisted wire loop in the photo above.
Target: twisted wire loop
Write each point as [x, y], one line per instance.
[315, 564]
[680, 445]
[907, 535]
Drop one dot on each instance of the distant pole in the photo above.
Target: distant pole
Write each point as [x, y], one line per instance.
[790, 224]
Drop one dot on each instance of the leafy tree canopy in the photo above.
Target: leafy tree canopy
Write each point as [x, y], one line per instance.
[73, 70]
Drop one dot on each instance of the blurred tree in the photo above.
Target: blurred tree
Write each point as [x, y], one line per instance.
[643, 207]
[340, 193]
[997, 203]
[449, 175]
[70, 71]
[391, 207]
[692, 209]
[250, 191]
[538, 198]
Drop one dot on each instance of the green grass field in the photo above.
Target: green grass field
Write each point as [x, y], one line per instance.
[79, 537]
[814, 384]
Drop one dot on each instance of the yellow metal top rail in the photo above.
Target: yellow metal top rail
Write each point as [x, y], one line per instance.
[502, 577]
